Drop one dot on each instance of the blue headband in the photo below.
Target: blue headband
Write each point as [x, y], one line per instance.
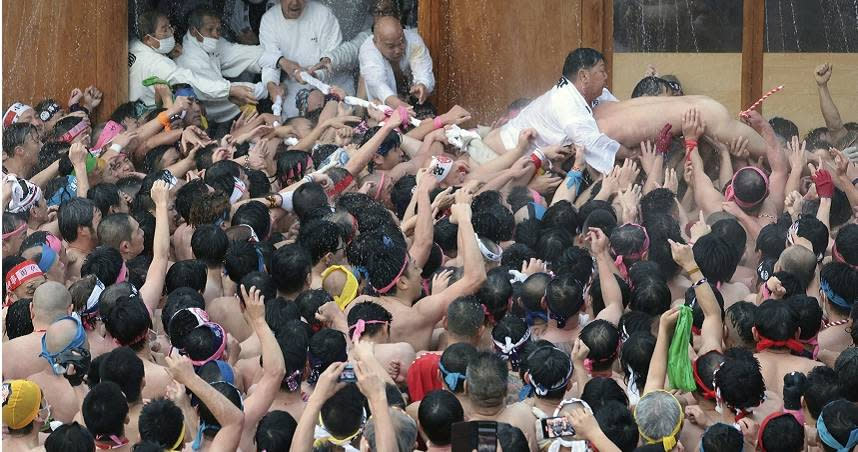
[260, 261]
[538, 210]
[187, 92]
[833, 297]
[451, 379]
[530, 316]
[49, 256]
[829, 440]
[77, 342]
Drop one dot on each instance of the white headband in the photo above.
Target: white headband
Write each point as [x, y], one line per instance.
[440, 166]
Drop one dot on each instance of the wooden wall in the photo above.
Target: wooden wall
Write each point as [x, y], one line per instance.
[488, 53]
[53, 46]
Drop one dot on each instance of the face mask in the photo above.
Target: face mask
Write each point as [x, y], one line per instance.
[165, 45]
[208, 44]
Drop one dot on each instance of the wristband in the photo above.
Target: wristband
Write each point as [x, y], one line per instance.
[536, 161]
[116, 147]
[164, 120]
[699, 282]
[286, 200]
[695, 269]
[690, 144]
[437, 123]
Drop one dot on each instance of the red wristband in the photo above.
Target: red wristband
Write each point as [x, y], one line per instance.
[437, 123]
[690, 144]
[537, 162]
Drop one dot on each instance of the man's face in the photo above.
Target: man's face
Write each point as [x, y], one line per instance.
[209, 29]
[391, 45]
[163, 29]
[31, 117]
[27, 289]
[597, 80]
[136, 245]
[394, 157]
[39, 212]
[292, 9]
[130, 124]
[194, 114]
[32, 145]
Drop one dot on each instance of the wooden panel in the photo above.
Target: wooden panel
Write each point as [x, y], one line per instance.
[714, 74]
[488, 56]
[51, 47]
[799, 101]
[753, 33]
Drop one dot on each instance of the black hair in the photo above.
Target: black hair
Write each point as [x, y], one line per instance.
[343, 413]
[696, 310]
[603, 339]
[209, 244]
[547, 367]
[104, 409]
[740, 381]
[533, 290]
[750, 187]
[115, 229]
[187, 194]
[241, 258]
[603, 219]
[15, 135]
[651, 296]
[732, 232]
[496, 292]
[842, 281]
[187, 273]
[809, 315]
[123, 367]
[564, 297]
[822, 388]
[846, 367]
[562, 214]
[514, 329]
[577, 262]
[387, 259]
[438, 411]
[816, 139]
[70, 438]
[783, 127]
[527, 232]
[153, 160]
[321, 237]
[72, 214]
[105, 195]
[104, 262]
[401, 193]
[721, 437]
[255, 215]
[633, 321]
[124, 111]
[18, 321]
[369, 311]
[847, 243]
[716, 258]
[635, 356]
[279, 312]
[290, 265]
[258, 184]
[517, 253]
[580, 58]
[841, 419]
[275, 431]
[486, 378]
[455, 359]
[294, 341]
[617, 422]
[465, 316]
[707, 364]
[658, 202]
[643, 272]
[128, 322]
[782, 433]
[661, 228]
[309, 302]
[202, 342]
[598, 303]
[181, 298]
[511, 438]
[601, 390]
[495, 222]
[741, 315]
[327, 346]
[307, 197]
[261, 281]
[651, 86]
[776, 320]
[815, 231]
[227, 390]
[551, 244]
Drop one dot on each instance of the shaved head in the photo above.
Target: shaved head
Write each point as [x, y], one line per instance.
[799, 261]
[60, 334]
[389, 37]
[51, 301]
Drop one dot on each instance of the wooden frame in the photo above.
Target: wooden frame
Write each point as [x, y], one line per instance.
[753, 36]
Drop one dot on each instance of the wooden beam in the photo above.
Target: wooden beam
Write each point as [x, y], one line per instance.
[608, 37]
[753, 35]
[432, 26]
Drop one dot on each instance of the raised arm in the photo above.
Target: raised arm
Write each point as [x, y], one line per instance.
[229, 416]
[372, 386]
[364, 155]
[822, 74]
[705, 195]
[154, 285]
[774, 203]
[424, 229]
[77, 155]
[569, 188]
[825, 189]
[658, 364]
[713, 328]
[610, 288]
[302, 440]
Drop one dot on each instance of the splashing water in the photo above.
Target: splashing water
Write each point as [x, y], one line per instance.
[691, 22]
[795, 26]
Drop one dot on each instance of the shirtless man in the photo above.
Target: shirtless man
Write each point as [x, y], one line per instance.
[414, 323]
[78, 220]
[835, 279]
[67, 352]
[370, 322]
[51, 302]
[776, 333]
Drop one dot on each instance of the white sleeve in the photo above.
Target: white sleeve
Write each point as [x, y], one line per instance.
[345, 56]
[237, 58]
[421, 63]
[207, 88]
[373, 71]
[268, 40]
[330, 36]
[578, 124]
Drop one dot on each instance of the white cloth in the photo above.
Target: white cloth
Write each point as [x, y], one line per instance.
[377, 71]
[304, 41]
[345, 56]
[228, 60]
[145, 62]
[561, 116]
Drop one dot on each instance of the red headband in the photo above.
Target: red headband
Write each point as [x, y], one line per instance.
[797, 415]
[835, 253]
[730, 195]
[20, 274]
[792, 344]
[707, 393]
[74, 132]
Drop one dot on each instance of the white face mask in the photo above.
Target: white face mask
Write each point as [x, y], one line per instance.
[208, 44]
[165, 45]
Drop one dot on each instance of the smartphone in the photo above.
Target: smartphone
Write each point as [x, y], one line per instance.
[348, 374]
[553, 427]
[475, 435]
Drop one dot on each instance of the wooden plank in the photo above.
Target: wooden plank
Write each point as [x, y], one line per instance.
[608, 37]
[432, 26]
[753, 35]
[111, 55]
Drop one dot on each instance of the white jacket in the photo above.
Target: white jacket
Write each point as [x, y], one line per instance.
[145, 62]
[378, 73]
[228, 60]
[304, 41]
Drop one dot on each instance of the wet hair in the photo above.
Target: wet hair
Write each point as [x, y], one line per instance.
[293, 339]
[369, 311]
[601, 390]
[564, 297]
[617, 422]
[817, 139]
[386, 261]
[842, 280]
[327, 346]
[187, 273]
[154, 158]
[739, 380]
[18, 321]
[72, 214]
[187, 194]
[15, 135]
[227, 390]
[732, 232]
[258, 184]
[633, 321]
[146, 24]
[114, 229]
[241, 258]
[809, 315]
[455, 358]
[658, 202]
[494, 222]
[275, 431]
[104, 262]
[201, 342]
[577, 262]
[841, 419]
[627, 240]
[124, 111]
[822, 388]
[846, 243]
[486, 379]
[696, 310]
[547, 368]
[527, 232]
[661, 228]
[161, 421]
[552, 242]
[104, 195]
[635, 356]
[255, 215]
[514, 329]
[515, 254]
[307, 197]
[465, 317]
[70, 438]
[603, 339]
[209, 244]
[707, 364]
[343, 413]
[578, 59]
[104, 410]
[776, 320]
[123, 367]
[321, 237]
[290, 265]
[603, 219]
[532, 291]
[651, 296]
[721, 437]
[716, 258]
[782, 433]
[280, 312]
[846, 367]
[438, 411]
[598, 303]
[181, 298]
[815, 231]
[511, 438]
[401, 193]
[496, 292]
[562, 214]
[128, 322]
[741, 315]
[651, 86]
[783, 127]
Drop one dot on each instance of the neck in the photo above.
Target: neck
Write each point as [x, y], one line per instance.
[579, 86]
[546, 405]
[433, 448]
[833, 315]
[84, 245]
[492, 412]
[571, 324]
[397, 299]
[16, 166]
[704, 403]
[602, 373]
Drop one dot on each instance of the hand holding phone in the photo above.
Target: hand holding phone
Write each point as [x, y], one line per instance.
[554, 427]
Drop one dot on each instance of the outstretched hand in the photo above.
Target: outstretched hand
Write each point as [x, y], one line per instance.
[693, 125]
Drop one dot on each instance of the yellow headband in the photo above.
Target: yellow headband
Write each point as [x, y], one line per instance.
[669, 441]
[181, 439]
[349, 289]
[334, 440]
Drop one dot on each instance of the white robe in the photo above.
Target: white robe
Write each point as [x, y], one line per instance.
[377, 71]
[144, 62]
[304, 41]
[561, 116]
[228, 60]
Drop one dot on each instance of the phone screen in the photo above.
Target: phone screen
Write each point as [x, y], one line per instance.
[474, 435]
[553, 427]
[348, 374]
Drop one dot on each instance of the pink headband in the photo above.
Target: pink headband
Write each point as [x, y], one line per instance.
[380, 186]
[23, 227]
[123, 273]
[360, 327]
[620, 260]
[835, 253]
[730, 195]
[74, 132]
[53, 242]
[111, 129]
[218, 332]
[387, 288]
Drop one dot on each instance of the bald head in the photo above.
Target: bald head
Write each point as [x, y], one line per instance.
[51, 301]
[334, 282]
[389, 38]
[799, 261]
[60, 334]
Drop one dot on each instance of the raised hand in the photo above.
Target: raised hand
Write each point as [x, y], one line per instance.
[822, 73]
[648, 157]
[693, 125]
[598, 241]
[440, 281]
[671, 182]
[628, 175]
[797, 154]
[254, 302]
[682, 255]
[420, 92]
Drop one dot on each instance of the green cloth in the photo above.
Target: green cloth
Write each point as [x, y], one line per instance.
[91, 163]
[678, 363]
[154, 80]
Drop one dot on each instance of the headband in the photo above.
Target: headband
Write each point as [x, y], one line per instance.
[825, 287]
[74, 132]
[835, 253]
[380, 187]
[186, 91]
[180, 440]
[238, 189]
[440, 167]
[90, 310]
[49, 110]
[17, 230]
[111, 129]
[22, 273]
[730, 194]
[299, 168]
[350, 288]
[792, 344]
[387, 288]
[542, 390]
[509, 350]
[50, 250]
[535, 210]
[123, 273]
[669, 441]
[708, 393]
[829, 440]
[25, 195]
[325, 436]
[360, 326]
[219, 334]
[620, 260]
[797, 415]
[451, 379]
[13, 113]
[76, 343]
[486, 252]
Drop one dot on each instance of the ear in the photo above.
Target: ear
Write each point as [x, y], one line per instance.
[481, 330]
[124, 246]
[465, 387]
[32, 315]
[543, 304]
[756, 334]
[328, 259]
